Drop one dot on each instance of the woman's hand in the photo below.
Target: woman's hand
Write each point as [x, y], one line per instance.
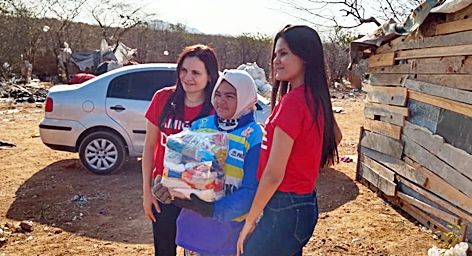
[150, 201]
[248, 228]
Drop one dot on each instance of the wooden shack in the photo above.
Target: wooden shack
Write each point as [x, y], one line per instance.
[415, 148]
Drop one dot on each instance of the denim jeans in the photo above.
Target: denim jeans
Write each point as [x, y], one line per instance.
[285, 227]
[164, 230]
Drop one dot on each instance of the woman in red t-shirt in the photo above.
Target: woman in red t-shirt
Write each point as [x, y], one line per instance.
[171, 110]
[299, 138]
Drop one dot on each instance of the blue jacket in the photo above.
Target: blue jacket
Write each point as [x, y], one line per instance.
[218, 235]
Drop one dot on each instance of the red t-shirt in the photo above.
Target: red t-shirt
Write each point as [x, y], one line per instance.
[172, 126]
[293, 116]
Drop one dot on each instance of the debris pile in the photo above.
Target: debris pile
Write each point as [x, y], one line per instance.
[32, 92]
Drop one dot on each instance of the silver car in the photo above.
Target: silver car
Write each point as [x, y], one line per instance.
[103, 118]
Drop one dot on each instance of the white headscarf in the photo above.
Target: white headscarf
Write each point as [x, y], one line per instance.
[246, 90]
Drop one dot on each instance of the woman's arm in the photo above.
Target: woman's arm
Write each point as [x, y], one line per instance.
[147, 162]
[271, 178]
[273, 173]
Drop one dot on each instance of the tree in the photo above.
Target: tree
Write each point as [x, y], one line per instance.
[22, 32]
[350, 13]
[116, 18]
[66, 12]
[249, 47]
[336, 54]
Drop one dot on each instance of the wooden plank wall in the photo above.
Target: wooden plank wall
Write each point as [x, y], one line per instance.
[415, 148]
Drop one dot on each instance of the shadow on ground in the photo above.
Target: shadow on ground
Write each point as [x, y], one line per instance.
[334, 189]
[110, 207]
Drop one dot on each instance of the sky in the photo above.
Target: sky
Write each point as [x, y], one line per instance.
[227, 17]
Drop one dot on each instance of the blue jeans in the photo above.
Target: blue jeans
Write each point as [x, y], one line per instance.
[285, 227]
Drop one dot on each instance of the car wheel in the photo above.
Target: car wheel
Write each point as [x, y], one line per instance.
[102, 152]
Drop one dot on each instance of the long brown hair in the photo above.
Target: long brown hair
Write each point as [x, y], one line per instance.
[305, 42]
[174, 107]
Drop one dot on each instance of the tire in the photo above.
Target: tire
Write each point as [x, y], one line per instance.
[102, 152]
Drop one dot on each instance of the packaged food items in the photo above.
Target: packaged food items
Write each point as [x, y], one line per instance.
[193, 164]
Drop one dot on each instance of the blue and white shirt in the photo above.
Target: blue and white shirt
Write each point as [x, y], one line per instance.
[218, 235]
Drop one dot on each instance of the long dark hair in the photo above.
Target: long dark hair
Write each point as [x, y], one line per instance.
[174, 107]
[305, 42]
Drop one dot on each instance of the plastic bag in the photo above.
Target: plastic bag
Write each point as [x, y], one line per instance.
[193, 164]
[459, 249]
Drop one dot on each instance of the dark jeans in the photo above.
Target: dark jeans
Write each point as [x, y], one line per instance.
[285, 227]
[164, 230]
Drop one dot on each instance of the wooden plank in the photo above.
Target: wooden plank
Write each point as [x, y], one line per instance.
[382, 144]
[402, 43]
[386, 79]
[460, 14]
[458, 228]
[431, 162]
[396, 165]
[384, 116]
[453, 27]
[379, 60]
[439, 90]
[447, 205]
[442, 65]
[457, 107]
[463, 82]
[386, 95]
[387, 108]
[427, 221]
[424, 115]
[423, 218]
[380, 182]
[358, 164]
[449, 218]
[443, 51]
[390, 130]
[456, 129]
[465, 236]
[396, 69]
[378, 168]
[441, 188]
[392, 45]
[457, 158]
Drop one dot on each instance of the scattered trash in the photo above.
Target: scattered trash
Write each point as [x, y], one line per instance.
[6, 145]
[355, 239]
[3, 239]
[338, 109]
[348, 159]
[459, 249]
[79, 199]
[9, 226]
[26, 226]
[259, 76]
[32, 92]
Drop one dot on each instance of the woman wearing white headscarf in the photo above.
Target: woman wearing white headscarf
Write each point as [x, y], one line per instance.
[213, 228]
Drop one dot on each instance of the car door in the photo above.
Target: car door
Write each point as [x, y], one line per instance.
[128, 97]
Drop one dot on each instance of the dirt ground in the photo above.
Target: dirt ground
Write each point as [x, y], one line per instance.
[75, 212]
